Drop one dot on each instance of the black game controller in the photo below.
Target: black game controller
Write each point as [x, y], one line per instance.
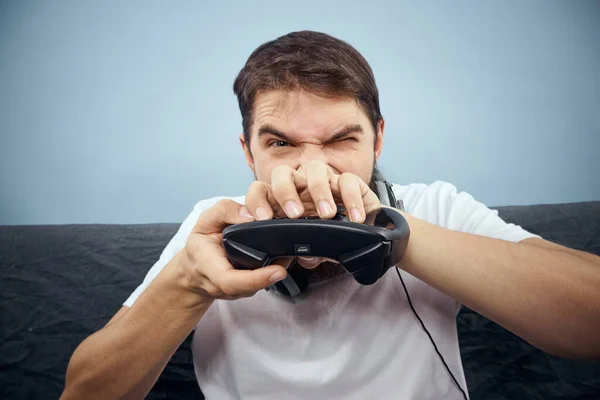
[365, 250]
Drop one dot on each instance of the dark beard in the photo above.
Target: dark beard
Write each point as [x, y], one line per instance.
[321, 273]
[324, 272]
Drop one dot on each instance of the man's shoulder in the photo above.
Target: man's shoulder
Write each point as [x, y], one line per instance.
[415, 191]
[433, 202]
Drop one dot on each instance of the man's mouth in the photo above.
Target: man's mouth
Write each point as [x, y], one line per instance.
[313, 262]
[319, 269]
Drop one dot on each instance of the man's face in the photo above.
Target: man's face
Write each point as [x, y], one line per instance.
[292, 128]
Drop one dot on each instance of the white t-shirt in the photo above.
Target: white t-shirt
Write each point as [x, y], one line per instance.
[343, 340]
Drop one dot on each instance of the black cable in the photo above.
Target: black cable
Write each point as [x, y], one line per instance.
[428, 334]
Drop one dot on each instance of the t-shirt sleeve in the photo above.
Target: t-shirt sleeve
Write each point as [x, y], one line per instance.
[175, 244]
[445, 206]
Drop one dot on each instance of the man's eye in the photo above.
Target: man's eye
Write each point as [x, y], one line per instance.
[346, 140]
[279, 143]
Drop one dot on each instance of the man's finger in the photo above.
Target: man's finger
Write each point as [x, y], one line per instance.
[352, 196]
[370, 200]
[319, 186]
[260, 201]
[224, 213]
[234, 282]
[284, 184]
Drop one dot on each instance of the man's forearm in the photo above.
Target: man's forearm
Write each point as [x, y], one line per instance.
[124, 359]
[549, 298]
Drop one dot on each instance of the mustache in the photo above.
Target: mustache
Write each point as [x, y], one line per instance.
[323, 272]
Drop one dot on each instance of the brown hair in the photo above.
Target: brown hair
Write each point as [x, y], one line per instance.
[311, 61]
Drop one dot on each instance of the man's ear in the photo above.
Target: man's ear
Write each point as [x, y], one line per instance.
[379, 138]
[247, 152]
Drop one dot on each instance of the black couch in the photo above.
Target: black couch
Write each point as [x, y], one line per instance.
[58, 284]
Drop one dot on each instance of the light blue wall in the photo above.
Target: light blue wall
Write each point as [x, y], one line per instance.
[123, 112]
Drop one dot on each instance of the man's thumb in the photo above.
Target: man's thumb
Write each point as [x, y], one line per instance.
[267, 276]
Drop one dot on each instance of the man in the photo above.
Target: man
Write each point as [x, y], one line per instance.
[312, 133]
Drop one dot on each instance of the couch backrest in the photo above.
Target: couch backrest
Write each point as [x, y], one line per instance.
[59, 284]
[575, 225]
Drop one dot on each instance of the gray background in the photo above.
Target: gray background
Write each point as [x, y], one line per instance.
[123, 112]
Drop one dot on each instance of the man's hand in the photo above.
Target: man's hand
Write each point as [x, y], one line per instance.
[312, 189]
[125, 358]
[205, 261]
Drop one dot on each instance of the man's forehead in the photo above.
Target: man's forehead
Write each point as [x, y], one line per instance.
[300, 111]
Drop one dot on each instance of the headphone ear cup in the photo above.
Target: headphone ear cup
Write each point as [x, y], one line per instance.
[370, 275]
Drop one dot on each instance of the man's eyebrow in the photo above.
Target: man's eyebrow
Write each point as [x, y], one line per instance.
[270, 130]
[345, 131]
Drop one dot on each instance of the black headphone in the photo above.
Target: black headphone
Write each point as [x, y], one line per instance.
[296, 281]
[297, 277]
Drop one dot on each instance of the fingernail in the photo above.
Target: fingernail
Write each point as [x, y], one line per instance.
[292, 209]
[355, 214]
[245, 213]
[325, 208]
[277, 276]
[262, 214]
[307, 258]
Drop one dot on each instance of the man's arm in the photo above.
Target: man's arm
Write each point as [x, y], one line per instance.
[126, 357]
[556, 247]
[547, 294]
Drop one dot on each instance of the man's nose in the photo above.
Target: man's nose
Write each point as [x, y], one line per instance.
[311, 152]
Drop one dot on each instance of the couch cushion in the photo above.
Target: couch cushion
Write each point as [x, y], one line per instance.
[62, 283]
[575, 225]
[500, 365]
